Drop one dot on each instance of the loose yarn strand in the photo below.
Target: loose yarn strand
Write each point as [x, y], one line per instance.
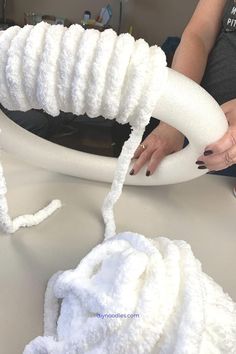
[8, 225]
[118, 181]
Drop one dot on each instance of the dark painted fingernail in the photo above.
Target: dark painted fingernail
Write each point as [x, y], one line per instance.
[148, 173]
[208, 152]
[199, 162]
[131, 173]
[202, 167]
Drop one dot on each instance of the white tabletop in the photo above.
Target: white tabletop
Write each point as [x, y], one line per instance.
[201, 212]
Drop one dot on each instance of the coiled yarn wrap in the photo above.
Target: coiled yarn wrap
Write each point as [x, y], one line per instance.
[80, 71]
[179, 308]
[84, 71]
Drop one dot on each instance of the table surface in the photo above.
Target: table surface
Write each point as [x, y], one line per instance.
[201, 212]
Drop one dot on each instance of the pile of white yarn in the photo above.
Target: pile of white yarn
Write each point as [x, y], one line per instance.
[180, 309]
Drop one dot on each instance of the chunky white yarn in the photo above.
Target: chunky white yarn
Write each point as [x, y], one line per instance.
[80, 71]
[32, 56]
[180, 309]
[14, 70]
[5, 41]
[10, 226]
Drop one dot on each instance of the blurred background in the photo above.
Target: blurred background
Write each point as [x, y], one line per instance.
[153, 20]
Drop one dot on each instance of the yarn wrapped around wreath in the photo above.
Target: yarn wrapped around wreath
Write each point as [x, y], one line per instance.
[78, 71]
[179, 309]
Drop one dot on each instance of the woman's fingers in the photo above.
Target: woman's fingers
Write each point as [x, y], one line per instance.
[141, 160]
[139, 150]
[155, 160]
[225, 143]
[161, 142]
[145, 151]
[221, 154]
[216, 162]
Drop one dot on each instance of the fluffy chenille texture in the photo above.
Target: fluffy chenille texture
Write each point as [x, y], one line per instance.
[81, 71]
[178, 308]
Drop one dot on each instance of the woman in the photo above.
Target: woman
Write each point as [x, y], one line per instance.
[207, 55]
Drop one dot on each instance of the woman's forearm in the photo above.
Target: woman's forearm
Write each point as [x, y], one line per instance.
[199, 38]
[191, 57]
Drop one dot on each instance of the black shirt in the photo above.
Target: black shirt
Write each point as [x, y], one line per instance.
[220, 75]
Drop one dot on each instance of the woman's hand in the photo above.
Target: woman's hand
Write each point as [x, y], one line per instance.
[222, 154]
[162, 141]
